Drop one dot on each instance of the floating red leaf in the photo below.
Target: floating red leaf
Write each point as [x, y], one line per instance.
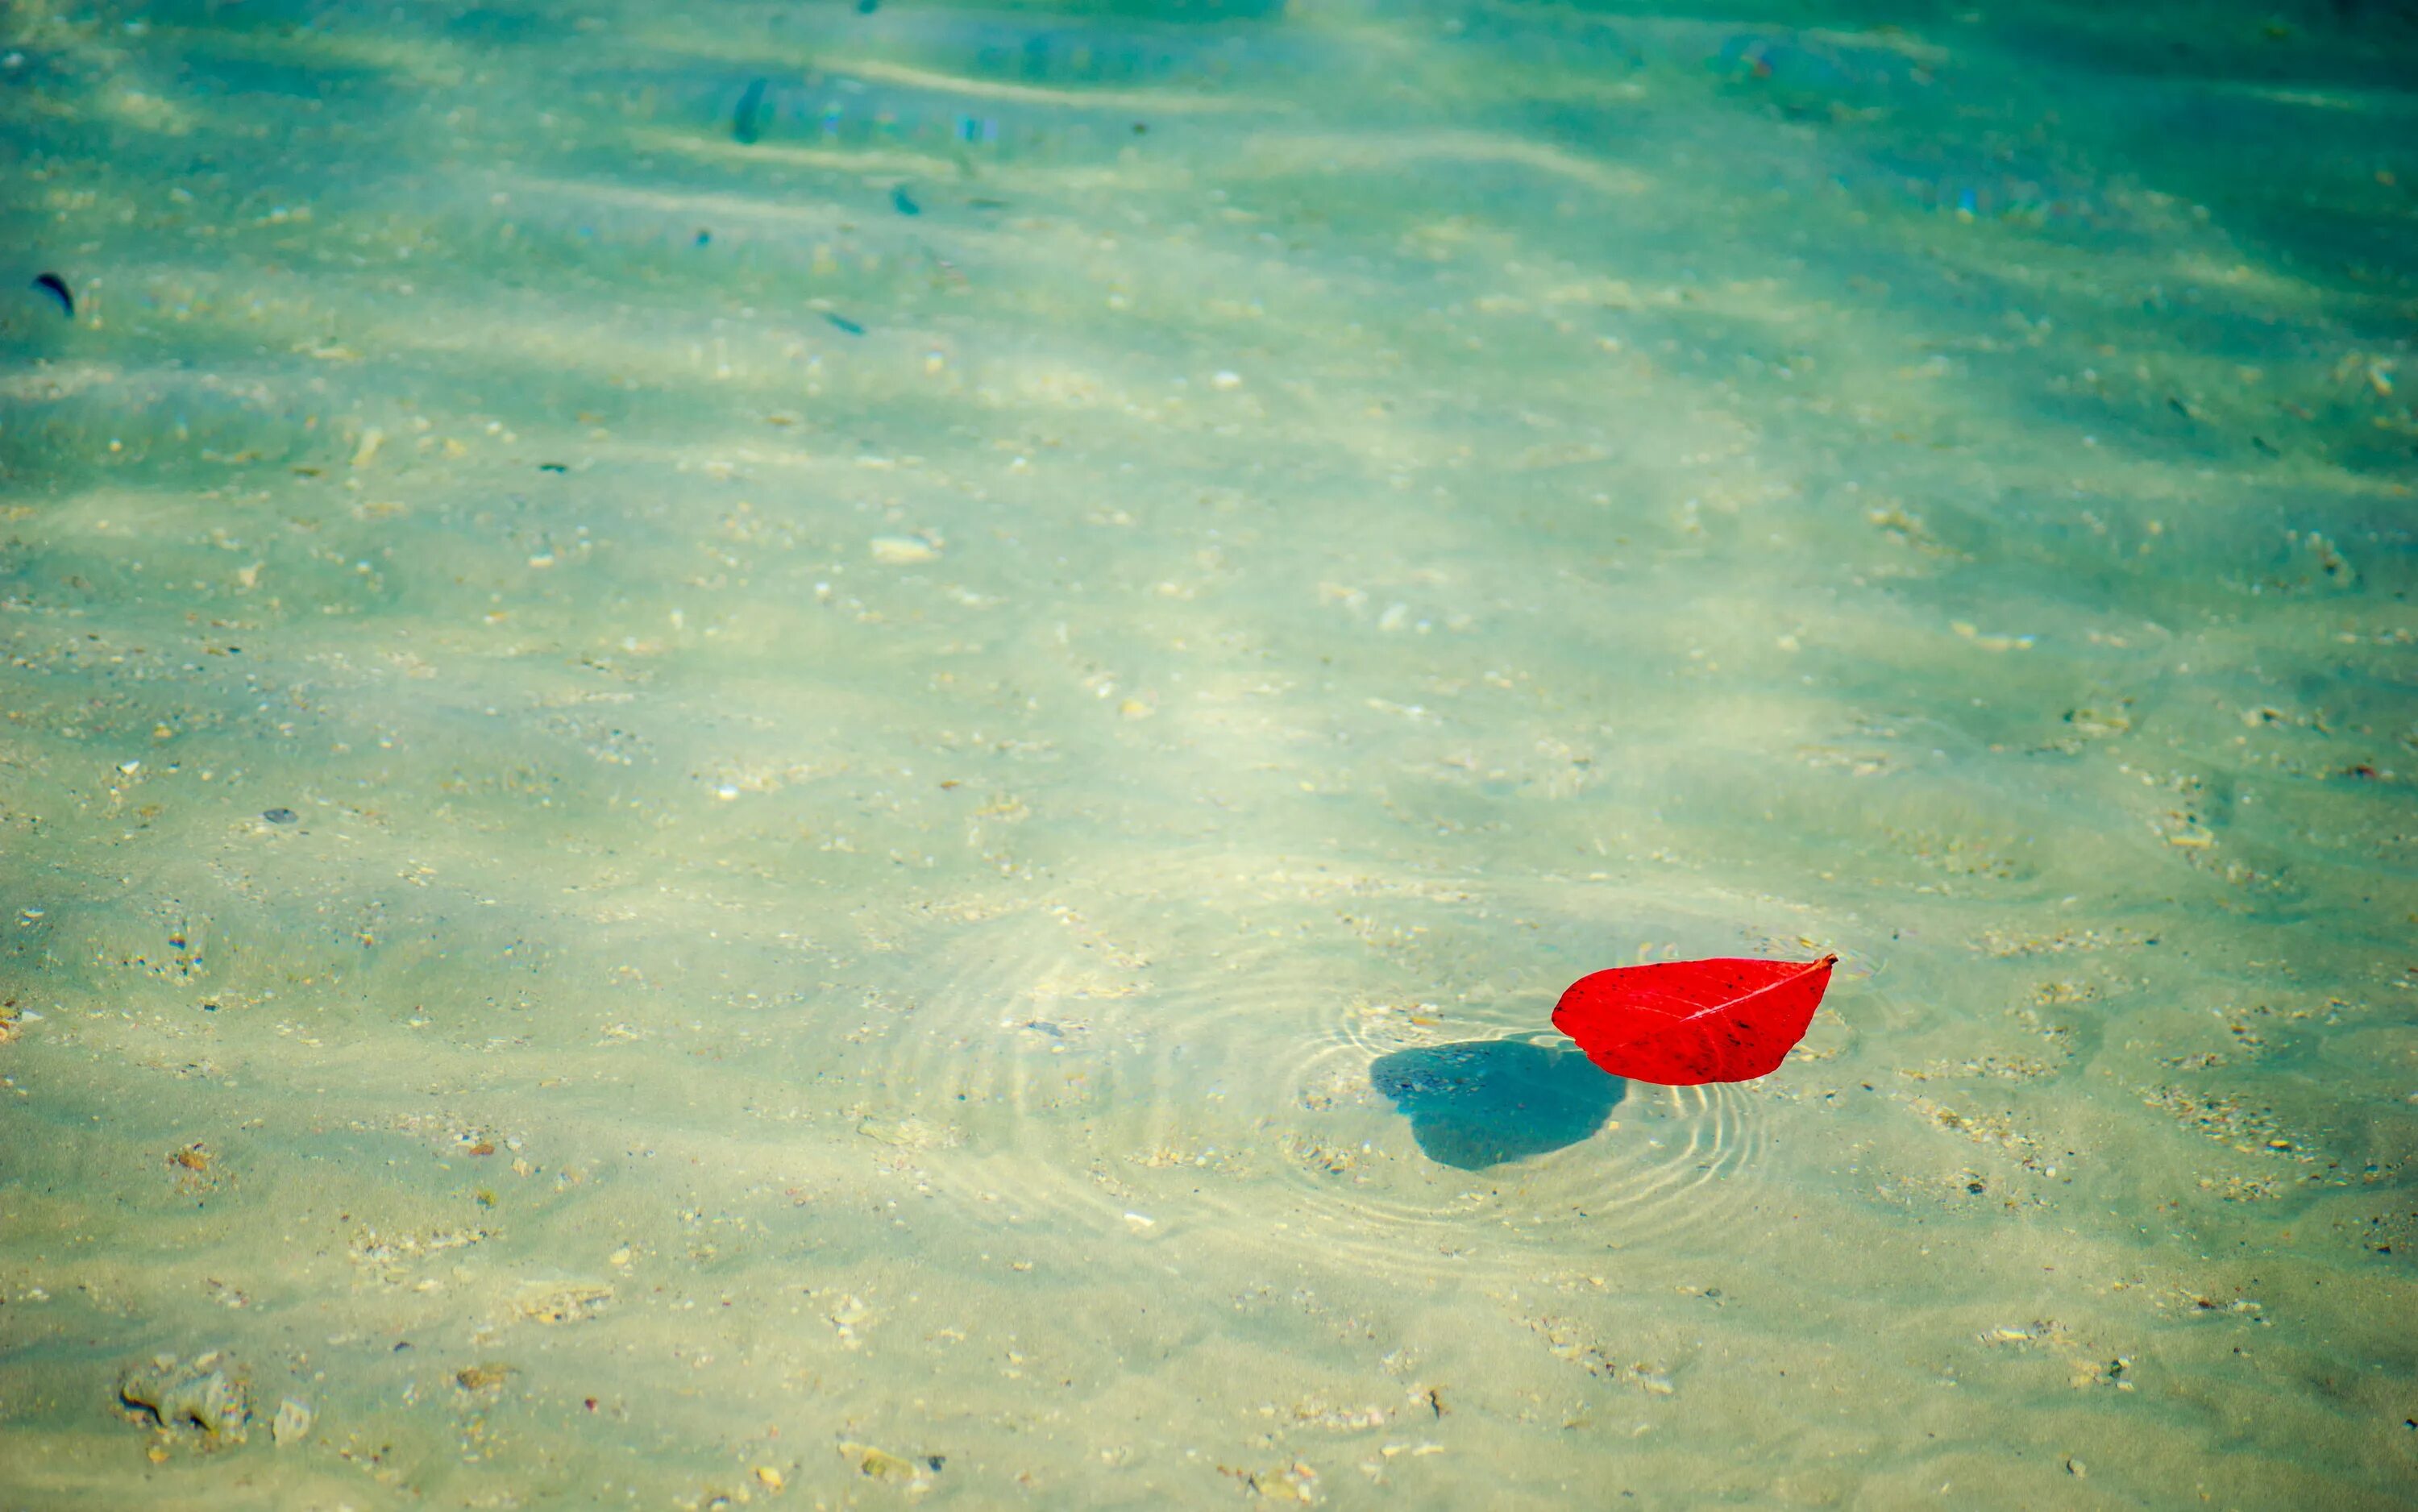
[1684, 1023]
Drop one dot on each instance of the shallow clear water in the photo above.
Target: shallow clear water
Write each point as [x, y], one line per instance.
[842, 758]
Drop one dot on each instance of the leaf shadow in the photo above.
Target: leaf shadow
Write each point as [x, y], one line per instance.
[1474, 1103]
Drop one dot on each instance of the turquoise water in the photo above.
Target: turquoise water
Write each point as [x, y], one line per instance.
[785, 756]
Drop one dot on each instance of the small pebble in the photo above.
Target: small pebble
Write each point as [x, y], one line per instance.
[743, 127]
[292, 1423]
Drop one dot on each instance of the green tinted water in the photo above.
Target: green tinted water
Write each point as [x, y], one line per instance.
[838, 759]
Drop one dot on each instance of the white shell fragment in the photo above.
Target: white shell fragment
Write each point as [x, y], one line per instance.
[292, 1423]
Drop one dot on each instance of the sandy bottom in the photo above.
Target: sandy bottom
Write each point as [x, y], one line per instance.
[803, 757]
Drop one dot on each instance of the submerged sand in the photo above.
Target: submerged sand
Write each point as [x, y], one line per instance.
[778, 757]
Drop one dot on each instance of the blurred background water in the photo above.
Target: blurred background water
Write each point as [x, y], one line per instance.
[843, 753]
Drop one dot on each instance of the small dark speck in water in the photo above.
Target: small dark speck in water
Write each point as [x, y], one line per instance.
[867, 8]
[280, 816]
[209, 1007]
[703, 237]
[903, 202]
[1046, 1027]
[845, 324]
[56, 287]
[552, 467]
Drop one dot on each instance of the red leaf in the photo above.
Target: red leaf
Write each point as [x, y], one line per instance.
[1684, 1023]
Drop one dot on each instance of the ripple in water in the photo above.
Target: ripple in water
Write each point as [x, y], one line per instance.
[1171, 1076]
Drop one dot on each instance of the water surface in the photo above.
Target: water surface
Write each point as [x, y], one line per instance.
[844, 757]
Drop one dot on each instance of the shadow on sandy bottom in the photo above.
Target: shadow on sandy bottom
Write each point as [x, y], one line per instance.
[1480, 1103]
